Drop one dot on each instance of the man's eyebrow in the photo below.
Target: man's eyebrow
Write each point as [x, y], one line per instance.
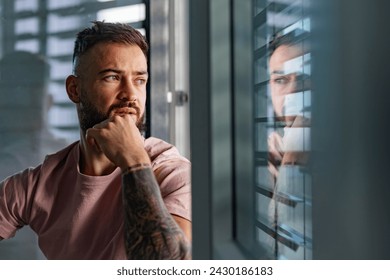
[137, 73]
[104, 71]
[278, 72]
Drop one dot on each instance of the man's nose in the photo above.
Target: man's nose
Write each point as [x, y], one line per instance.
[127, 90]
[299, 82]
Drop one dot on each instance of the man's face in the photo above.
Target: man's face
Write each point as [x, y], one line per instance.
[22, 106]
[285, 71]
[111, 80]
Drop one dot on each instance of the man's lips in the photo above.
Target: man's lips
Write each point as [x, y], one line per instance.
[125, 110]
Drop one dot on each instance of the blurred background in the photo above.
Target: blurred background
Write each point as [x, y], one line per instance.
[280, 105]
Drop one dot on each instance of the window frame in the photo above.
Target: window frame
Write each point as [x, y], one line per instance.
[222, 165]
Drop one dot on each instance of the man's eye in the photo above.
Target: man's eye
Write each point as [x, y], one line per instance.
[281, 80]
[140, 81]
[111, 78]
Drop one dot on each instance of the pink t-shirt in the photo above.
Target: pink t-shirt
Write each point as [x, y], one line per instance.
[81, 217]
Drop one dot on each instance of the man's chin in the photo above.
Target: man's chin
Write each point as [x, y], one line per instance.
[140, 123]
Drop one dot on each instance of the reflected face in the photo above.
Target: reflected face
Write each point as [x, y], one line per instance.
[284, 75]
[112, 80]
[23, 106]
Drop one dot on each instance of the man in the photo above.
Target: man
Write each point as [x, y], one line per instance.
[24, 102]
[113, 194]
[25, 139]
[290, 95]
[289, 144]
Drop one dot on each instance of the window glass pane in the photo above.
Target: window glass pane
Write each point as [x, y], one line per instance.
[282, 98]
[56, 4]
[132, 13]
[26, 5]
[27, 25]
[57, 23]
[27, 45]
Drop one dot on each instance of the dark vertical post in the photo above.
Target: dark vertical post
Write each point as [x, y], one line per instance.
[351, 193]
[200, 127]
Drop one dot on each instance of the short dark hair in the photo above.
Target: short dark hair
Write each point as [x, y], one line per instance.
[107, 32]
[289, 39]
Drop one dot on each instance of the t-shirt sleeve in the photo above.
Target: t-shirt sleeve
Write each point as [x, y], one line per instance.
[174, 179]
[14, 201]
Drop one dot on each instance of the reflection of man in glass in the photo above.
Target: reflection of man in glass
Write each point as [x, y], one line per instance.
[24, 103]
[289, 85]
[24, 136]
[289, 144]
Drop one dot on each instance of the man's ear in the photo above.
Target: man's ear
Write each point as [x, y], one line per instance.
[72, 88]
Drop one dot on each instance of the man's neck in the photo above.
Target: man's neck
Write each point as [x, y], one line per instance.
[93, 162]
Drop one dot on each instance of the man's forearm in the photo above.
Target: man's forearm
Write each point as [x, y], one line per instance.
[150, 230]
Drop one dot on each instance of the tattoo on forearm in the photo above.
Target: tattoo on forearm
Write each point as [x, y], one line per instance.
[150, 230]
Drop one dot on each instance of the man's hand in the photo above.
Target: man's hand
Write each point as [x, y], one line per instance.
[150, 230]
[275, 153]
[120, 140]
[296, 142]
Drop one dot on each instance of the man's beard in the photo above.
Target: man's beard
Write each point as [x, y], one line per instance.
[89, 115]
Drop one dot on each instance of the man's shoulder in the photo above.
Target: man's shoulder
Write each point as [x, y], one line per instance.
[60, 155]
[160, 150]
[155, 146]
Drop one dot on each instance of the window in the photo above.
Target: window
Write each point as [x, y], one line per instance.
[253, 207]
[330, 198]
[282, 113]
